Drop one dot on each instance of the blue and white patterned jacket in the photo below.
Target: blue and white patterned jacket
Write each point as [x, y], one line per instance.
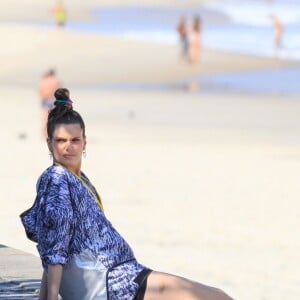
[65, 220]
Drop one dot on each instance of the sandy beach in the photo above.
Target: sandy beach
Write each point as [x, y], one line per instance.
[203, 185]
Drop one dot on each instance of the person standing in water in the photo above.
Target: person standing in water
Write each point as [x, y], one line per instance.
[278, 30]
[183, 38]
[195, 40]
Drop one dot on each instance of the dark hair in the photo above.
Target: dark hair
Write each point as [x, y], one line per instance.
[63, 112]
[197, 23]
[50, 72]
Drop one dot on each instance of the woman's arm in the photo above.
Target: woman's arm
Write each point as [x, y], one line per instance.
[54, 229]
[53, 281]
[43, 288]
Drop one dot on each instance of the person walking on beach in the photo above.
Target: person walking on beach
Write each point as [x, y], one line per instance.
[59, 14]
[195, 41]
[183, 38]
[278, 29]
[83, 255]
[48, 84]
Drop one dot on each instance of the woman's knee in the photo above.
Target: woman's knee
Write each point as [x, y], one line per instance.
[173, 287]
[160, 282]
[168, 286]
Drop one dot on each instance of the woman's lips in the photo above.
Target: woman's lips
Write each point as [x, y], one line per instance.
[68, 156]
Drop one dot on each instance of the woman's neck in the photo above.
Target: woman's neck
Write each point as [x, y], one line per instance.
[75, 171]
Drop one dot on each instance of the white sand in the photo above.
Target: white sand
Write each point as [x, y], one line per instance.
[202, 185]
[206, 187]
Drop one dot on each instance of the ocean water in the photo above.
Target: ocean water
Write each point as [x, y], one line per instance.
[275, 82]
[282, 82]
[238, 26]
[232, 25]
[250, 29]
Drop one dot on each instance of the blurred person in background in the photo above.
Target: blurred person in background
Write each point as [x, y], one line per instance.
[278, 30]
[59, 14]
[195, 40]
[48, 84]
[183, 38]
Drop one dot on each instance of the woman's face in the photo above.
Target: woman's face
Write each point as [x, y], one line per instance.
[67, 145]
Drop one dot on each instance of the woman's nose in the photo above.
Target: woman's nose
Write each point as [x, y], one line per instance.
[68, 145]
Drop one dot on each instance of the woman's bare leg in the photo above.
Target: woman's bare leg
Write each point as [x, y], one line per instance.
[169, 287]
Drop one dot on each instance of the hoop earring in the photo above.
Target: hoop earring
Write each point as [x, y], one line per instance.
[84, 153]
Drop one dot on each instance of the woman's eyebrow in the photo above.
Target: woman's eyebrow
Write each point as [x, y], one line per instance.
[65, 138]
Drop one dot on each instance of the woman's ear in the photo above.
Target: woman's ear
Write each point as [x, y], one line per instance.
[49, 144]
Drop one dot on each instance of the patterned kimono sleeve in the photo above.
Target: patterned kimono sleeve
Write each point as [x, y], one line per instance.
[55, 222]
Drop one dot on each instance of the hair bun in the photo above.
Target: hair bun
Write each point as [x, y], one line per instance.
[62, 97]
[62, 93]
